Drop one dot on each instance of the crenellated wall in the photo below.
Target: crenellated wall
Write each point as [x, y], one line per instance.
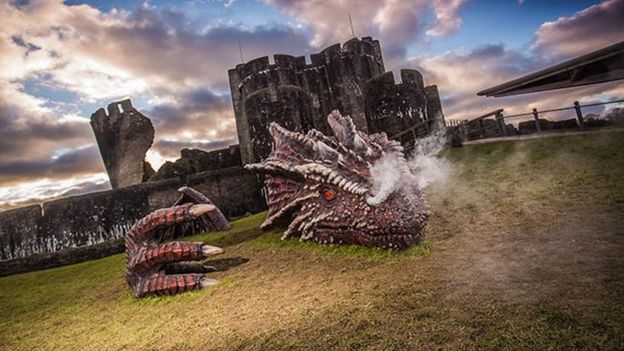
[87, 220]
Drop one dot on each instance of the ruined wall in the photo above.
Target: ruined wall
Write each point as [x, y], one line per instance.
[86, 220]
[123, 136]
[193, 161]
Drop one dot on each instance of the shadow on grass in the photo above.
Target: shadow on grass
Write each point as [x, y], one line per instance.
[242, 230]
[272, 240]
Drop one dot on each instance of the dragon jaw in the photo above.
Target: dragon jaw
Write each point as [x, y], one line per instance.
[323, 189]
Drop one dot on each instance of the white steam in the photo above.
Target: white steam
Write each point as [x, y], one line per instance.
[425, 163]
[425, 168]
[388, 176]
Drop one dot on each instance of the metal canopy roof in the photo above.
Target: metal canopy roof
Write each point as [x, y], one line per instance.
[598, 66]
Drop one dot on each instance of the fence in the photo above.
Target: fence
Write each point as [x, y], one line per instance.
[485, 127]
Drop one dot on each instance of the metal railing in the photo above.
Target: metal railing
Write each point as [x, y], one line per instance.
[475, 128]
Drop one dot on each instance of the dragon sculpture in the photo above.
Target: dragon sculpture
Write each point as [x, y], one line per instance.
[160, 267]
[330, 189]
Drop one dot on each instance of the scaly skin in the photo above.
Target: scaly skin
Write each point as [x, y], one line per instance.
[149, 256]
[323, 190]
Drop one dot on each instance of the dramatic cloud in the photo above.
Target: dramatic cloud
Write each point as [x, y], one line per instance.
[593, 28]
[29, 130]
[460, 74]
[196, 119]
[85, 160]
[36, 192]
[397, 23]
[107, 55]
[199, 114]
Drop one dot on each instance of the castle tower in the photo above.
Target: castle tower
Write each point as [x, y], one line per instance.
[123, 136]
[394, 107]
[300, 95]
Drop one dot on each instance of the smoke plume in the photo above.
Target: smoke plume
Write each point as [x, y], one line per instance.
[424, 167]
[389, 175]
[425, 163]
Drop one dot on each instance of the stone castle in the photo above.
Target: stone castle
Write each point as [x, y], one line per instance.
[290, 91]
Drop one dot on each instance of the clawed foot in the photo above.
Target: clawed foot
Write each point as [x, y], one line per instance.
[155, 266]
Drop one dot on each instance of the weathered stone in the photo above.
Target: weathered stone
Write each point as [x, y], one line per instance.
[202, 161]
[179, 168]
[148, 171]
[194, 161]
[393, 108]
[123, 135]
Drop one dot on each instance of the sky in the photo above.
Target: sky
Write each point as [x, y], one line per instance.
[61, 61]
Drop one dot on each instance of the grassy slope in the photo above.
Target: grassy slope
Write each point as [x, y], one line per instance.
[524, 251]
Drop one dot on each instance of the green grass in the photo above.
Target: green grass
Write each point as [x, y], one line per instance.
[523, 252]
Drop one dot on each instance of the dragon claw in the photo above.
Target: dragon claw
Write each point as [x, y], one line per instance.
[154, 264]
[208, 250]
[201, 209]
[206, 282]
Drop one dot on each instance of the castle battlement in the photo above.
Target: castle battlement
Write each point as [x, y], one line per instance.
[114, 109]
[409, 77]
[252, 75]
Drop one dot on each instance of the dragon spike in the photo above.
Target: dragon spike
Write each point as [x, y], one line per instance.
[318, 149]
[281, 134]
[345, 132]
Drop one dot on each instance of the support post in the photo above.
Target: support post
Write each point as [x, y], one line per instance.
[462, 126]
[501, 123]
[536, 118]
[579, 115]
[481, 133]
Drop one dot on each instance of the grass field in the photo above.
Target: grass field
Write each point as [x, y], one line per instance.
[524, 251]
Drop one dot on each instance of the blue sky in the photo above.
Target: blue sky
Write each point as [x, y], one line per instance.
[506, 22]
[64, 60]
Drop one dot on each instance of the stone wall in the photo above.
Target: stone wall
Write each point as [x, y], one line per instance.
[193, 161]
[31, 232]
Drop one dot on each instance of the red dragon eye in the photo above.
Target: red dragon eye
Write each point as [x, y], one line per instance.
[329, 195]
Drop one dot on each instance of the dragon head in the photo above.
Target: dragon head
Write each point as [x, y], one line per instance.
[333, 190]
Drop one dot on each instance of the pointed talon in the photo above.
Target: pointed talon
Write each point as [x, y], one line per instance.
[208, 250]
[208, 269]
[206, 282]
[198, 210]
